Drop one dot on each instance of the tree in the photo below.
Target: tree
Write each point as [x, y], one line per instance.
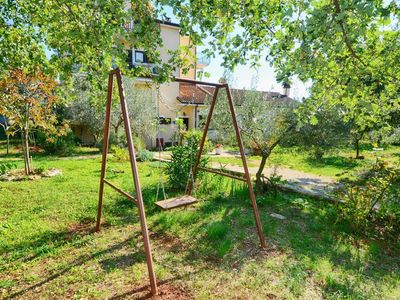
[142, 110]
[28, 102]
[322, 131]
[349, 50]
[87, 108]
[84, 112]
[264, 122]
[65, 37]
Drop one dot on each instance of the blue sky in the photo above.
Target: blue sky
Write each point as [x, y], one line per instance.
[244, 74]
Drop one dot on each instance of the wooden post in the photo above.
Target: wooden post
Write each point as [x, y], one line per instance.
[106, 138]
[246, 170]
[241, 148]
[135, 174]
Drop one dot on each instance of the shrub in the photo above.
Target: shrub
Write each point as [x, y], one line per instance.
[144, 155]
[5, 167]
[194, 136]
[182, 161]
[57, 144]
[119, 153]
[372, 203]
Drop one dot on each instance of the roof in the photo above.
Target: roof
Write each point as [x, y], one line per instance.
[168, 22]
[190, 94]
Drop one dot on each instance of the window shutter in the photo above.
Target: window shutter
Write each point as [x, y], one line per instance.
[129, 59]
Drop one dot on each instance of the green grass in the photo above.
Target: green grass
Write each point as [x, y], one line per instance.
[338, 164]
[237, 161]
[48, 251]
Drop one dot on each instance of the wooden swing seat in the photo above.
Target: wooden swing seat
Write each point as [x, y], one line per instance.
[176, 202]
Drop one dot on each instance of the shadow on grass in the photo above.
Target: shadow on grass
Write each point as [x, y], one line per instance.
[16, 153]
[339, 162]
[49, 241]
[77, 262]
[220, 233]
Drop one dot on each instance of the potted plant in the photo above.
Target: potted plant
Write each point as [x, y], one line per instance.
[218, 149]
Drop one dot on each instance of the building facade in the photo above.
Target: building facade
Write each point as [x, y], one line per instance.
[170, 108]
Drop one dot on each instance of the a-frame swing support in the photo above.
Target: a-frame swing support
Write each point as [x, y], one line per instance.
[239, 140]
[132, 157]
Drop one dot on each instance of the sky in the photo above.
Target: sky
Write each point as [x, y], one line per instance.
[243, 74]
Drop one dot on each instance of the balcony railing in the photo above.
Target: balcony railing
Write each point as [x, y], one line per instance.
[149, 66]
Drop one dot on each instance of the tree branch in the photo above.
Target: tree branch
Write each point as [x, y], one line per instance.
[338, 10]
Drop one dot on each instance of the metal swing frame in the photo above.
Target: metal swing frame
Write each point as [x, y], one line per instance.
[138, 201]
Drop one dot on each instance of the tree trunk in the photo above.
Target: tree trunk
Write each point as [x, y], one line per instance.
[264, 157]
[8, 144]
[95, 139]
[357, 146]
[25, 143]
[259, 174]
[25, 149]
[116, 135]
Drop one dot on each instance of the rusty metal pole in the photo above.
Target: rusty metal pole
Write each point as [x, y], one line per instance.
[203, 140]
[106, 138]
[246, 170]
[139, 197]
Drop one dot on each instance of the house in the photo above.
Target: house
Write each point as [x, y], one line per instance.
[170, 108]
[175, 100]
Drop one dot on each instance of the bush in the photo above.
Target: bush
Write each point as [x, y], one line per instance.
[144, 155]
[194, 136]
[119, 153]
[5, 167]
[372, 203]
[183, 160]
[57, 144]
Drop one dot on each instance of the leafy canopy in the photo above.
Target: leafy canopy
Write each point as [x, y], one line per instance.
[29, 103]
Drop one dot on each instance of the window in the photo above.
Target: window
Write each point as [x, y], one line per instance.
[140, 57]
[164, 120]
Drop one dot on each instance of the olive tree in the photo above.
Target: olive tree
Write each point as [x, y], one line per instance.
[264, 122]
[87, 107]
[142, 111]
[323, 130]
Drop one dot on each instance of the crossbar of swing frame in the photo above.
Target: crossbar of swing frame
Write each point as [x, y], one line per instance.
[222, 174]
[192, 81]
[119, 190]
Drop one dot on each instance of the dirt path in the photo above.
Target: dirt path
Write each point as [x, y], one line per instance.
[305, 183]
[298, 181]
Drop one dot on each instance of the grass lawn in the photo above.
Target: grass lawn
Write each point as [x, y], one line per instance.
[335, 165]
[206, 251]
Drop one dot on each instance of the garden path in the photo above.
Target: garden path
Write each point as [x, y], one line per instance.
[297, 181]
